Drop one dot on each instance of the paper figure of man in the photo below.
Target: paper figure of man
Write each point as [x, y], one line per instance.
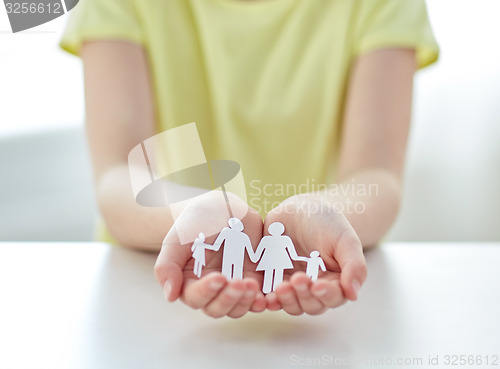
[235, 243]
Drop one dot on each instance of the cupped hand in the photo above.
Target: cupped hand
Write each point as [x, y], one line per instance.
[212, 293]
[314, 224]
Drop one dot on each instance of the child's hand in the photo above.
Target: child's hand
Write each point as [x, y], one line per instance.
[212, 293]
[315, 225]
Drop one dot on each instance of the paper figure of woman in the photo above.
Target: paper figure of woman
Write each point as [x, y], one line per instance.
[275, 258]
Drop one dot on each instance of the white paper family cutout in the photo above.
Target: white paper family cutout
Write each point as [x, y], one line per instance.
[271, 254]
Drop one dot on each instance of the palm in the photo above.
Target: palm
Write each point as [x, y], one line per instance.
[209, 215]
[307, 234]
[188, 252]
[324, 230]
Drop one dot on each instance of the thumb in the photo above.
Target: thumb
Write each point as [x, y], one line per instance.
[169, 267]
[348, 252]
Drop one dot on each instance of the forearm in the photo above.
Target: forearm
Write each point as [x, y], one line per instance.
[373, 143]
[131, 224]
[378, 204]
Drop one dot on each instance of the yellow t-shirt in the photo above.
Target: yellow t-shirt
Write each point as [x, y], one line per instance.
[264, 80]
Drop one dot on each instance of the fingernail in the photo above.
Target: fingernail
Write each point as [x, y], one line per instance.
[167, 288]
[249, 294]
[216, 285]
[301, 287]
[233, 292]
[321, 292]
[356, 286]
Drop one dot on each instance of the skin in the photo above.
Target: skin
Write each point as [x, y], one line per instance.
[120, 114]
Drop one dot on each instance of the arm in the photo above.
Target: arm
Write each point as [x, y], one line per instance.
[119, 115]
[258, 253]
[218, 241]
[291, 250]
[249, 248]
[376, 125]
[322, 265]
[211, 247]
[374, 135]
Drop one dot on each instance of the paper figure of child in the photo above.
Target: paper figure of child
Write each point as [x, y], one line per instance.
[275, 258]
[235, 243]
[314, 262]
[198, 249]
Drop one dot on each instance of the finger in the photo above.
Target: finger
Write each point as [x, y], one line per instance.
[170, 264]
[245, 303]
[309, 303]
[328, 292]
[349, 254]
[199, 293]
[259, 304]
[287, 298]
[272, 302]
[226, 299]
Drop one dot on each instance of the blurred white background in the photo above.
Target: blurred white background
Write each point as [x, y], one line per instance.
[452, 181]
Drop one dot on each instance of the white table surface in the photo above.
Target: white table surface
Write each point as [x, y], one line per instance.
[90, 305]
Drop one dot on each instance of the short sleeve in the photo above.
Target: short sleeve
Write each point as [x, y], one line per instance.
[101, 19]
[395, 23]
